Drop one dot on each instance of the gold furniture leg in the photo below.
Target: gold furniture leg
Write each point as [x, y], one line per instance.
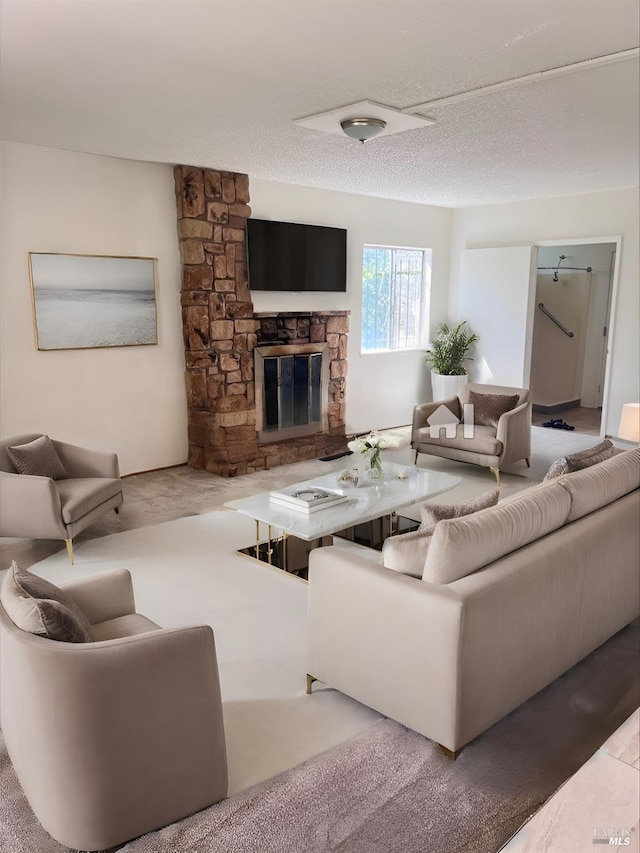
[450, 753]
[496, 472]
[69, 544]
[257, 539]
[310, 680]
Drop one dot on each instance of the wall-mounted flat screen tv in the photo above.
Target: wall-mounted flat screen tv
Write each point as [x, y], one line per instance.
[294, 257]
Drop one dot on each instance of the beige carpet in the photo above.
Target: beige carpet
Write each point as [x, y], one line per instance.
[258, 614]
[188, 572]
[389, 790]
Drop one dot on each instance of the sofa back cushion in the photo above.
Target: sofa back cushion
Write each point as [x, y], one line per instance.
[41, 608]
[407, 552]
[582, 459]
[600, 484]
[461, 546]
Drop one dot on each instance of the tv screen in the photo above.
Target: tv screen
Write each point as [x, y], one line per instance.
[294, 257]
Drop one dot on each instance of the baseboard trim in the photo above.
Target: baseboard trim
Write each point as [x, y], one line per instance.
[556, 407]
[152, 470]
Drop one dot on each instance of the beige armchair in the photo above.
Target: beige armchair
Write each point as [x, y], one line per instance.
[117, 737]
[43, 508]
[491, 446]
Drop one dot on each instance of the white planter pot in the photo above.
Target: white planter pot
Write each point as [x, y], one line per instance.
[445, 387]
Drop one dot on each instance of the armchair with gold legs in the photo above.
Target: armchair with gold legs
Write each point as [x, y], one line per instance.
[62, 489]
[488, 425]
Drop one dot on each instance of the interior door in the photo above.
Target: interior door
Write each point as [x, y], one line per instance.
[496, 295]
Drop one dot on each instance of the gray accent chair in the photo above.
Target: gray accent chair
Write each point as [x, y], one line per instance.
[117, 737]
[41, 508]
[491, 447]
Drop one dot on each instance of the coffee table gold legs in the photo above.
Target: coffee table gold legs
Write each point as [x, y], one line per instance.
[269, 544]
[310, 680]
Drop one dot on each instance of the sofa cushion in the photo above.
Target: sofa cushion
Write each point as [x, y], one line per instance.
[601, 484]
[41, 608]
[122, 626]
[580, 461]
[433, 513]
[489, 408]
[484, 440]
[407, 552]
[82, 494]
[460, 546]
[38, 458]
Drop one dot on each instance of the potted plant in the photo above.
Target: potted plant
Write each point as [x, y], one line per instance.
[446, 356]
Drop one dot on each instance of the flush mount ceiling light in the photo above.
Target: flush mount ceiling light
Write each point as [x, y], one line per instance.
[363, 129]
[364, 120]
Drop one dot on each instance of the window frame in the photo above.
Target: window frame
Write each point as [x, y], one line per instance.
[425, 290]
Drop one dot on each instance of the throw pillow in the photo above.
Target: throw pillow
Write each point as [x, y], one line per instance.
[42, 608]
[489, 408]
[433, 513]
[38, 458]
[407, 552]
[580, 461]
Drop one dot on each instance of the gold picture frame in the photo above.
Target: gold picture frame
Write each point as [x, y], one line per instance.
[93, 301]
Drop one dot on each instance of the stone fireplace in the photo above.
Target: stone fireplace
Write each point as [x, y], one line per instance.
[226, 412]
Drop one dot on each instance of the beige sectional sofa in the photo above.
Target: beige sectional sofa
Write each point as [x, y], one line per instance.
[510, 598]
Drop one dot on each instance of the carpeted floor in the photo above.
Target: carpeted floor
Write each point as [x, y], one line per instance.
[385, 789]
[389, 790]
[172, 493]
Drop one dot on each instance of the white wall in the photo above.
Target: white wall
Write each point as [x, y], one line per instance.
[557, 359]
[598, 215]
[382, 388]
[132, 399]
[599, 257]
[128, 399]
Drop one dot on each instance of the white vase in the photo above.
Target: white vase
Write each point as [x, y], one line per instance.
[445, 387]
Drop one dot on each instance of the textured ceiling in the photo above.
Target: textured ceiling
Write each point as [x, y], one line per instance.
[219, 83]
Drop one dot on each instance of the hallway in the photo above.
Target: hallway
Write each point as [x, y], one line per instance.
[586, 421]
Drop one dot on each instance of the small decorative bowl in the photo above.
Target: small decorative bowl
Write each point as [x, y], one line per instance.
[350, 477]
[402, 473]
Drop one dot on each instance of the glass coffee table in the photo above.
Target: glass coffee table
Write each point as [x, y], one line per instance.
[401, 486]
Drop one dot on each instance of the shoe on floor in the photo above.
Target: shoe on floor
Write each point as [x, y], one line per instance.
[553, 423]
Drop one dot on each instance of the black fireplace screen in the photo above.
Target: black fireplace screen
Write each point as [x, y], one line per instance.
[292, 391]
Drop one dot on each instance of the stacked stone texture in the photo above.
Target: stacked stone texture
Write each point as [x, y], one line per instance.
[221, 331]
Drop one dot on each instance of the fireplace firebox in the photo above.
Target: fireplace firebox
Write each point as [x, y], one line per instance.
[292, 389]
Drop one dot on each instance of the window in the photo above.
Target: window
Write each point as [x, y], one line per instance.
[394, 283]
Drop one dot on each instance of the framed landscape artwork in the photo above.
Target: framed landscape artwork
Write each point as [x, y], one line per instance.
[87, 301]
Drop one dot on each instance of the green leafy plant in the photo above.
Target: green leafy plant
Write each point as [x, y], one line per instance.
[449, 350]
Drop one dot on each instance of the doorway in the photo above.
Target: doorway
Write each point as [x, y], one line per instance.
[572, 306]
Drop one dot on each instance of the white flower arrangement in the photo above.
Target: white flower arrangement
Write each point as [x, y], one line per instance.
[375, 441]
[371, 445]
